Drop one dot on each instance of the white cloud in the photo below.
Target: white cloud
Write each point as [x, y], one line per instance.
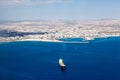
[31, 2]
[12, 2]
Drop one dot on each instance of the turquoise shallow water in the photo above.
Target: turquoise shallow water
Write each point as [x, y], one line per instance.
[29, 60]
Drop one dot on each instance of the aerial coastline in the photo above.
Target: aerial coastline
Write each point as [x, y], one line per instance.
[53, 31]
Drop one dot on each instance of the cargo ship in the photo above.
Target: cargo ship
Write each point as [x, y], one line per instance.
[61, 64]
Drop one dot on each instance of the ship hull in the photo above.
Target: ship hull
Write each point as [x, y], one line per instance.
[63, 68]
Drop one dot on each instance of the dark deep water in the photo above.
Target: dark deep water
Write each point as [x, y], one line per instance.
[29, 60]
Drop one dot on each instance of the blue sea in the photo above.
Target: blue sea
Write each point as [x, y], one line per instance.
[98, 59]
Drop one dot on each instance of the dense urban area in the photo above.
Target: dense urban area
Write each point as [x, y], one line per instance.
[56, 30]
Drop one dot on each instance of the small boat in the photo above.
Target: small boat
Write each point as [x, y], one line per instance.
[61, 64]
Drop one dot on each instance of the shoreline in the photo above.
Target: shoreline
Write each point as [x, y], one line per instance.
[52, 41]
[60, 41]
[45, 40]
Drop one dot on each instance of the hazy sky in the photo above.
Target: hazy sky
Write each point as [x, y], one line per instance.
[59, 9]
